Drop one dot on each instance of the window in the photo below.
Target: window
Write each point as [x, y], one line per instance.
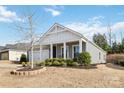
[99, 55]
[75, 51]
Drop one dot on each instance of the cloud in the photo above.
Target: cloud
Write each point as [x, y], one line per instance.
[95, 25]
[92, 26]
[53, 11]
[119, 26]
[7, 15]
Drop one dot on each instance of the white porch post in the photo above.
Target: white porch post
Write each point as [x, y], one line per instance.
[64, 44]
[51, 50]
[40, 51]
[80, 46]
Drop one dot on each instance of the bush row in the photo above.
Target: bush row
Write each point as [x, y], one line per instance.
[83, 58]
[57, 62]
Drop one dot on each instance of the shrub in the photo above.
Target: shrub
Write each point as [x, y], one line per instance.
[75, 59]
[74, 64]
[61, 60]
[42, 63]
[48, 63]
[56, 63]
[48, 60]
[84, 58]
[54, 59]
[51, 60]
[23, 58]
[63, 63]
[24, 64]
[69, 62]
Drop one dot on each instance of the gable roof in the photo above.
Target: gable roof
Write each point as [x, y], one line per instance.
[72, 31]
[56, 24]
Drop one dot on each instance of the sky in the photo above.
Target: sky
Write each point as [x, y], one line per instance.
[85, 19]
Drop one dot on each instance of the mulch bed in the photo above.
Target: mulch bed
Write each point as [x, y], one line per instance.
[29, 69]
[26, 71]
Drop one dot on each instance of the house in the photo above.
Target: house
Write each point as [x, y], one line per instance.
[1, 47]
[62, 42]
[11, 54]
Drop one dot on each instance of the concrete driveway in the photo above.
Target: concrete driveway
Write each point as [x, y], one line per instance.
[7, 64]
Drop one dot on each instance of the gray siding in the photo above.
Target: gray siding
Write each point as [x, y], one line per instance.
[94, 52]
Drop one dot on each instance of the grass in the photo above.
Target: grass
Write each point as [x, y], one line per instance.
[65, 77]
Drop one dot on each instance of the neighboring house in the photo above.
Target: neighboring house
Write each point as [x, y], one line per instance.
[62, 42]
[1, 47]
[11, 54]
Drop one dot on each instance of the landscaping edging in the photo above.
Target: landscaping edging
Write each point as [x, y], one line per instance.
[28, 73]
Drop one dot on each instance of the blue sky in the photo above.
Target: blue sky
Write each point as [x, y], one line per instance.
[85, 19]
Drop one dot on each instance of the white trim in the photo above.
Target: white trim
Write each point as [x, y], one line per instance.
[67, 29]
[80, 45]
[49, 33]
[4, 50]
[51, 50]
[64, 44]
[73, 49]
[75, 32]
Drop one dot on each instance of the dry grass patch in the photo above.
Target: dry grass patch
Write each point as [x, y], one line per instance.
[66, 77]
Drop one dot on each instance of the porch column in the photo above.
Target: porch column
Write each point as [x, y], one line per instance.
[51, 50]
[40, 51]
[80, 46]
[64, 44]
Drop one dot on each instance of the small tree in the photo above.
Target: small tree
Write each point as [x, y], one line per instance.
[101, 41]
[27, 27]
[84, 58]
[23, 58]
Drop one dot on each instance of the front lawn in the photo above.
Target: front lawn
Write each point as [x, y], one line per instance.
[65, 77]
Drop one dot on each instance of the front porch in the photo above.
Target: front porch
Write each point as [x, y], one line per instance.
[66, 50]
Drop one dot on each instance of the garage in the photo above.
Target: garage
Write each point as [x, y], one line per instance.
[4, 55]
[12, 54]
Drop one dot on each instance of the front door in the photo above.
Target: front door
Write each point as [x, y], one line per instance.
[67, 52]
[75, 51]
[54, 51]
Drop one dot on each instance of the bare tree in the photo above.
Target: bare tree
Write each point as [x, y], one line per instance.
[121, 36]
[26, 27]
[110, 34]
[114, 35]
